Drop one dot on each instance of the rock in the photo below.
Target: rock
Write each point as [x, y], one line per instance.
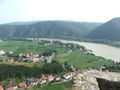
[88, 80]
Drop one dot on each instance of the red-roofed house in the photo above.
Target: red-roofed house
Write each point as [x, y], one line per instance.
[22, 85]
[50, 78]
[12, 86]
[1, 88]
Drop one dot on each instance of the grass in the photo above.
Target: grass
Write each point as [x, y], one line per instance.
[81, 60]
[25, 47]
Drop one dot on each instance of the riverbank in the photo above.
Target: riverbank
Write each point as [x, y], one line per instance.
[106, 51]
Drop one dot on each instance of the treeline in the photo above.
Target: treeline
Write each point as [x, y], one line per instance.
[19, 71]
[16, 39]
[71, 46]
[114, 68]
[102, 41]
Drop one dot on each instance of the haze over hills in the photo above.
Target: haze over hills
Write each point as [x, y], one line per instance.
[109, 30]
[21, 23]
[47, 29]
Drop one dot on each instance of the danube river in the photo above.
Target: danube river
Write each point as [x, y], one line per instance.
[106, 51]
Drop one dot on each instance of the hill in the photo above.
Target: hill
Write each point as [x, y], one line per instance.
[47, 29]
[109, 30]
[22, 23]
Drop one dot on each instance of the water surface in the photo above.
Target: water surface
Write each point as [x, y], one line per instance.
[106, 51]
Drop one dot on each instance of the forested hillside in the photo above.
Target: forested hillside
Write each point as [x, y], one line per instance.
[47, 29]
[110, 30]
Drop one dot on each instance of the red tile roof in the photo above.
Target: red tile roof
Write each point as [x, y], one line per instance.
[22, 84]
[50, 77]
[1, 88]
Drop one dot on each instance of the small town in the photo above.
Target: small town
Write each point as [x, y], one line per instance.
[42, 81]
[42, 69]
[28, 57]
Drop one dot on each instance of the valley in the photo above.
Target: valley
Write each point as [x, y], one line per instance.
[67, 54]
[45, 55]
[110, 52]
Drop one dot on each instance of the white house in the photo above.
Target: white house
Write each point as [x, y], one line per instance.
[2, 52]
[68, 76]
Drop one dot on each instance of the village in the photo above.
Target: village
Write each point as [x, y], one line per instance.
[47, 79]
[42, 80]
[28, 57]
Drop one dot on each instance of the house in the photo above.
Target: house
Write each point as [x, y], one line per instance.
[22, 85]
[12, 86]
[9, 60]
[73, 68]
[68, 76]
[43, 80]
[1, 88]
[49, 58]
[32, 81]
[2, 52]
[50, 78]
[33, 59]
[57, 78]
[9, 52]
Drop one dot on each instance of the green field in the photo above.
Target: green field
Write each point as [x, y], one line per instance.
[76, 58]
[25, 47]
[81, 60]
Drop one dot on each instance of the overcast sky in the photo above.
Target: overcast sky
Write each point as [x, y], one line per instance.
[77, 10]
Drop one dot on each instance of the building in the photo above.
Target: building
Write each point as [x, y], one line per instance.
[50, 78]
[22, 85]
[2, 52]
[12, 86]
[1, 88]
[9, 60]
[68, 76]
[32, 81]
[57, 78]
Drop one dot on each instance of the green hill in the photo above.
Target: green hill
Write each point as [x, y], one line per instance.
[22, 23]
[110, 30]
[47, 29]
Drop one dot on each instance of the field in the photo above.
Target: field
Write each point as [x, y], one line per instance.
[25, 47]
[76, 58]
[81, 60]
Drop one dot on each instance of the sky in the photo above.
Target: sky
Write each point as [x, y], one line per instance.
[75, 10]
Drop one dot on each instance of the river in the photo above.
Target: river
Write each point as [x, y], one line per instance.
[106, 51]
